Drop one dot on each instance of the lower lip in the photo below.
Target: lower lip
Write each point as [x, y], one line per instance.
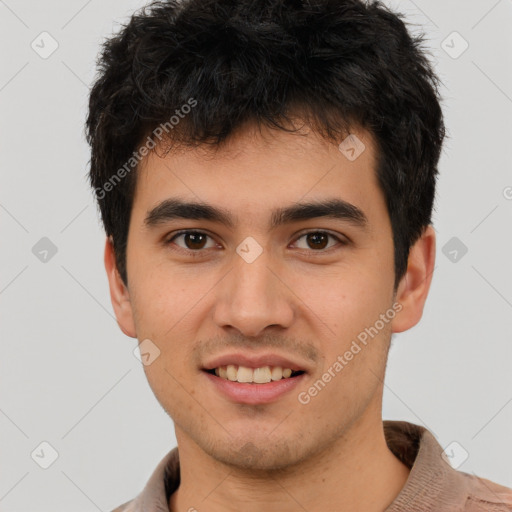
[253, 394]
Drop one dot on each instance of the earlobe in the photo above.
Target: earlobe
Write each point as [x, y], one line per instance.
[415, 284]
[119, 294]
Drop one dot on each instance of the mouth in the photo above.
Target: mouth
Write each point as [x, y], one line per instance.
[247, 375]
[254, 386]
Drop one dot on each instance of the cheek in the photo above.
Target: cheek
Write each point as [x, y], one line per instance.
[163, 299]
[167, 308]
[349, 313]
[349, 382]
[170, 387]
[348, 301]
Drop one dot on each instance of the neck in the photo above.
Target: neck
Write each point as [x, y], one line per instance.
[357, 473]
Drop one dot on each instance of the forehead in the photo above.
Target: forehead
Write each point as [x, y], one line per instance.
[257, 171]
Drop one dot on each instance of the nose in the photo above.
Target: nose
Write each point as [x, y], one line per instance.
[252, 297]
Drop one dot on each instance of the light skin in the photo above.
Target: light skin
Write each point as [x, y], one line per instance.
[300, 298]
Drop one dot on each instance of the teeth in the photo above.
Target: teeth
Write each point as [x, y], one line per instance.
[277, 373]
[231, 372]
[244, 374]
[261, 375]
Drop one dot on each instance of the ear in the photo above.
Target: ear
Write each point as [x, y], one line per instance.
[119, 294]
[415, 284]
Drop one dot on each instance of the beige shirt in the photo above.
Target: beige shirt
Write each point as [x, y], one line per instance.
[432, 486]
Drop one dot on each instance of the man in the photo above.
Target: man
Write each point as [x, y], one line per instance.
[265, 173]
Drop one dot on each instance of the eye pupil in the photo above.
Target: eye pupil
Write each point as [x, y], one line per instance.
[316, 236]
[194, 237]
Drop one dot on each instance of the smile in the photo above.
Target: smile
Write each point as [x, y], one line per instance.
[262, 375]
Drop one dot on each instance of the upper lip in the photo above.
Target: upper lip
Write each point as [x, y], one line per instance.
[254, 361]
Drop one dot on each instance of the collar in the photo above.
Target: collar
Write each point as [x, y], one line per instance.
[432, 485]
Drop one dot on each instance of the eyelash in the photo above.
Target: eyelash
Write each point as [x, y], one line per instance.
[200, 252]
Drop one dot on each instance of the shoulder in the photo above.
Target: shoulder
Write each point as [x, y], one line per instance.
[486, 496]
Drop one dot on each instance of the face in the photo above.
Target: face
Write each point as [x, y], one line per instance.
[258, 289]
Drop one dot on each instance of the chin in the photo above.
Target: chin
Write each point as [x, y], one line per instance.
[259, 454]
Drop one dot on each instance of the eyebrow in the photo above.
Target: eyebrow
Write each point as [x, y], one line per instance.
[174, 208]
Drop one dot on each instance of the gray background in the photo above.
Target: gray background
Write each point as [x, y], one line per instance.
[69, 376]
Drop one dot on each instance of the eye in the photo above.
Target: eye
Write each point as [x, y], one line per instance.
[317, 240]
[194, 240]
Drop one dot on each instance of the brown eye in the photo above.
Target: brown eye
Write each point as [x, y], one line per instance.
[318, 240]
[192, 240]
